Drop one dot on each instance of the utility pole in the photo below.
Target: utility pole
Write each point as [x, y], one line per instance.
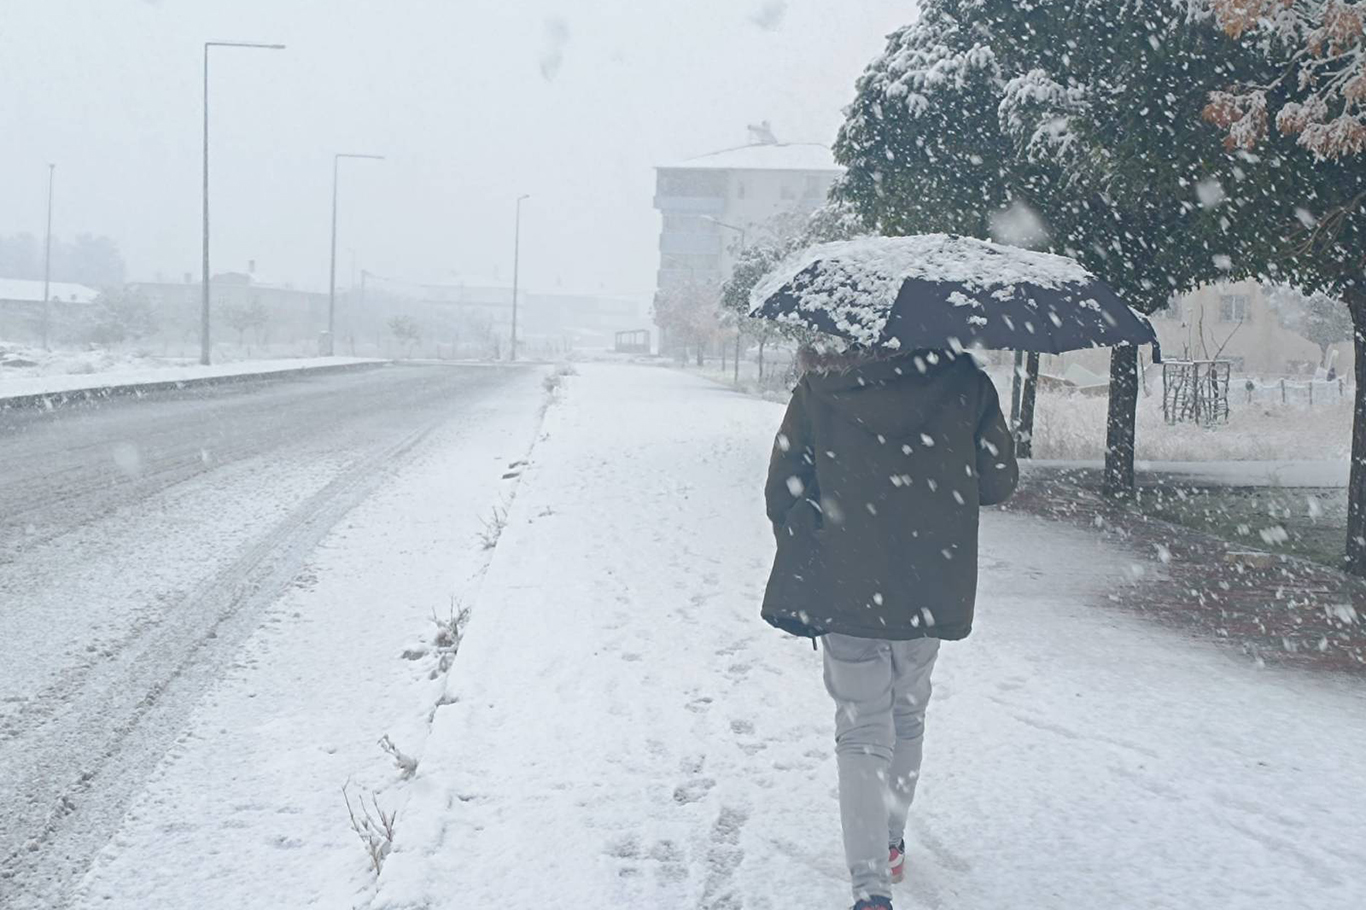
[516, 267]
[360, 308]
[205, 346]
[332, 274]
[47, 262]
[743, 246]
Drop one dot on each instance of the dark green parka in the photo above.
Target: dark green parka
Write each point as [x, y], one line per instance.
[874, 487]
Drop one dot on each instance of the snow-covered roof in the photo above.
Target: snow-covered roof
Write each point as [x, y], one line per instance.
[796, 156]
[32, 291]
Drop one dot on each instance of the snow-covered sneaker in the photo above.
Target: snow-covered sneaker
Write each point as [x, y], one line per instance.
[874, 903]
[896, 858]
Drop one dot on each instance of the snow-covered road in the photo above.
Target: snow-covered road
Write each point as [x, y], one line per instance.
[143, 542]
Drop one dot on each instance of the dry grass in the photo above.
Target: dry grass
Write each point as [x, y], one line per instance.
[1072, 426]
[493, 528]
[375, 829]
[406, 764]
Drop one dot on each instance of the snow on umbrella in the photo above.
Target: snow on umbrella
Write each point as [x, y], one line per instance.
[944, 291]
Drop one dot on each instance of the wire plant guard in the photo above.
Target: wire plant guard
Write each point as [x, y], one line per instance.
[942, 291]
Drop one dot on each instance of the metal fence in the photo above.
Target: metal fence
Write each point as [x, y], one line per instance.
[1300, 393]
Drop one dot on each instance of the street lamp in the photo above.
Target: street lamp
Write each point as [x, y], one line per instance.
[332, 274]
[47, 259]
[516, 267]
[204, 346]
[741, 231]
[730, 227]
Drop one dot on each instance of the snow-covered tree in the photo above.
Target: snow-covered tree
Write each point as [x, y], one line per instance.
[774, 241]
[688, 312]
[1309, 167]
[1113, 99]
[924, 147]
[1316, 317]
[406, 331]
[120, 316]
[243, 318]
[1083, 113]
[1318, 95]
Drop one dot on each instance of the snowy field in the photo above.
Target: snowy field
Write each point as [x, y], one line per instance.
[23, 362]
[1072, 426]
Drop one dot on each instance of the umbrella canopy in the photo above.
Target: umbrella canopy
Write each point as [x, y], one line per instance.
[943, 291]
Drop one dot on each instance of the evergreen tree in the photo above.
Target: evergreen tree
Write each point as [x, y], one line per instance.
[1086, 111]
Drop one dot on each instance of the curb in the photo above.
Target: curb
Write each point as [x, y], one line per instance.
[53, 400]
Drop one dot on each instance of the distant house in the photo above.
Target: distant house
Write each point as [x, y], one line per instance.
[1233, 322]
[22, 311]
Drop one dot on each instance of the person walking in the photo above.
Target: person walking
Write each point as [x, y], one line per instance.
[874, 486]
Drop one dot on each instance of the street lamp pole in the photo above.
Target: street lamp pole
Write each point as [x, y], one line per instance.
[205, 348]
[47, 260]
[516, 268]
[332, 273]
[743, 244]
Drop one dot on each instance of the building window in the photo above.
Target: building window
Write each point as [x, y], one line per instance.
[739, 189]
[1234, 308]
[690, 262]
[788, 191]
[692, 184]
[687, 224]
[813, 187]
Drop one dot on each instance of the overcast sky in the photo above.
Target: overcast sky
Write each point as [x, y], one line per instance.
[473, 102]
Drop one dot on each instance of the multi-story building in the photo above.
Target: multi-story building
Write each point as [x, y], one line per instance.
[705, 202]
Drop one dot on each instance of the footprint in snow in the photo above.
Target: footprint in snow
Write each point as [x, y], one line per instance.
[693, 790]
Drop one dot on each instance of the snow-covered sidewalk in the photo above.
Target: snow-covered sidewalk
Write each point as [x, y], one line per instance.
[57, 384]
[621, 730]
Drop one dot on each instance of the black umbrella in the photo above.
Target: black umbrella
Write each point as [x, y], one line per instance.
[942, 291]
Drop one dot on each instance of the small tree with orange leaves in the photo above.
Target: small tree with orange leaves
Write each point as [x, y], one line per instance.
[1315, 93]
[1321, 88]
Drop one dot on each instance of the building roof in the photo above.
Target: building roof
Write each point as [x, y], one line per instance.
[781, 156]
[32, 291]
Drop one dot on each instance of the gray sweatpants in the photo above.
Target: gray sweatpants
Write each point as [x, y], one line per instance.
[880, 689]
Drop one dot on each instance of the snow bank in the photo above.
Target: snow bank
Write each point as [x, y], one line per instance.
[95, 371]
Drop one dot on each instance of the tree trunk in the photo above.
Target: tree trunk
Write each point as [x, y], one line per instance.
[1024, 446]
[1356, 485]
[701, 354]
[1119, 421]
[762, 342]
